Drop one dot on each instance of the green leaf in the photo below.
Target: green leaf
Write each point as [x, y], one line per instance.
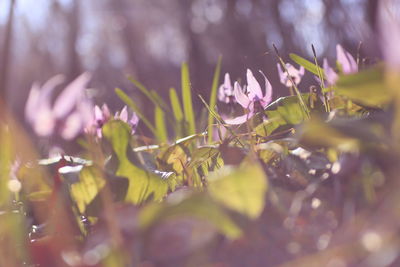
[161, 129]
[160, 101]
[365, 87]
[89, 185]
[176, 105]
[284, 112]
[317, 133]
[197, 206]
[241, 189]
[308, 65]
[187, 100]
[142, 184]
[213, 98]
[177, 111]
[5, 163]
[127, 100]
[151, 95]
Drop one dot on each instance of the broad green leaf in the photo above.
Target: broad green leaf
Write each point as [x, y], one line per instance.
[127, 100]
[316, 133]
[187, 100]
[174, 157]
[241, 189]
[142, 184]
[213, 98]
[197, 206]
[285, 112]
[365, 87]
[161, 128]
[308, 65]
[89, 185]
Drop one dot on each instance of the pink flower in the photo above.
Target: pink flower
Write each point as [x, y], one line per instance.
[225, 91]
[251, 97]
[295, 74]
[103, 115]
[123, 116]
[330, 75]
[346, 62]
[70, 113]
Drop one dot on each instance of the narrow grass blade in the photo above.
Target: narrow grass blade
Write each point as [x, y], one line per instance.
[175, 104]
[213, 98]
[159, 118]
[308, 65]
[128, 101]
[187, 100]
[220, 120]
[151, 95]
[177, 111]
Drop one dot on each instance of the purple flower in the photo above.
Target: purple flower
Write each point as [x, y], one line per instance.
[225, 91]
[346, 61]
[123, 116]
[103, 115]
[295, 74]
[70, 113]
[251, 97]
[330, 75]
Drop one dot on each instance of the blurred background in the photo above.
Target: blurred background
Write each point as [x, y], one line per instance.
[149, 39]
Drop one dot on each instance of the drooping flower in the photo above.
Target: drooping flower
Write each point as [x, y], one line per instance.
[70, 113]
[292, 74]
[103, 115]
[251, 97]
[330, 75]
[346, 61]
[225, 91]
[347, 65]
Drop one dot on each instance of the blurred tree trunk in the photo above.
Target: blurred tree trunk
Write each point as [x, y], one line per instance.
[6, 53]
[73, 21]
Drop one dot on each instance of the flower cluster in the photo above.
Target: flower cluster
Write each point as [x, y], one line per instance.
[250, 97]
[103, 115]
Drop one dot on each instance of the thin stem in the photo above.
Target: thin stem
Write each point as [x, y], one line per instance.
[302, 103]
[322, 81]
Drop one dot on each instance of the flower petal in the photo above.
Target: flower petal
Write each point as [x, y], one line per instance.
[346, 60]
[268, 91]
[98, 114]
[240, 96]
[70, 96]
[253, 87]
[123, 115]
[73, 125]
[240, 119]
[32, 103]
[282, 75]
[330, 75]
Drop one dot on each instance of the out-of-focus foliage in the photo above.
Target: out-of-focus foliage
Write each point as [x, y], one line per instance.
[310, 179]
